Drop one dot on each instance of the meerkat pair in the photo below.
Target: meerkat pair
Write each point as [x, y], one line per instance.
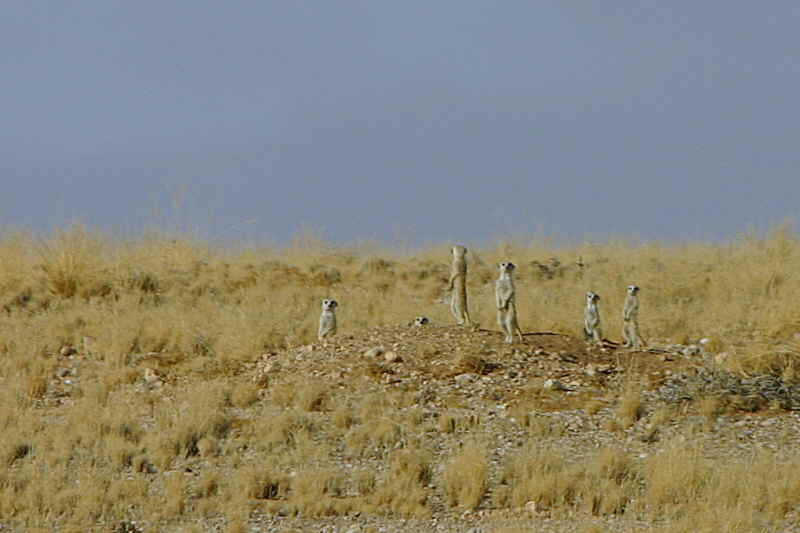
[630, 318]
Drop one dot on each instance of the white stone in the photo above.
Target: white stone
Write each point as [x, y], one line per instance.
[392, 357]
[374, 352]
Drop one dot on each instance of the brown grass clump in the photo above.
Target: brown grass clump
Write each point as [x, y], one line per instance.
[465, 476]
[404, 488]
[630, 408]
[539, 475]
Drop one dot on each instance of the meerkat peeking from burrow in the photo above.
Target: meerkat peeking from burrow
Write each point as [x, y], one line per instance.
[591, 319]
[505, 296]
[458, 286]
[327, 320]
[630, 318]
[421, 321]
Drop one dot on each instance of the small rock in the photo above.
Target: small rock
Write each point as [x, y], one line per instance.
[66, 351]
[463, 379]
[692, 349]
[374, 352]
[553, 384]
[392, 357]
[152, 377]
[590, 370]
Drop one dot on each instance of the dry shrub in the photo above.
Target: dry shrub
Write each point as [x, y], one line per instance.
[37, 387]
[630, 408]
[471, 364]
[284, 394]
[208, 446]
[466, 475]
[72, 263]
[282, 431]
[536, 474]
[244, 395]
[711, 407]
[343, 417]
[677, 476]
[174, 495]
[448, 423]
[373, 440]
[609, 482]
[311, 397]
[544, 426]
[316, 483]
[262, 482]
[404, 488]
[594, 405]
[662, 415]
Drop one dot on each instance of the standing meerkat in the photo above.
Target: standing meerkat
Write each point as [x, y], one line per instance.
[591, 318]
[630, 318]
[327, 320]
[505, 293]
[458, 286]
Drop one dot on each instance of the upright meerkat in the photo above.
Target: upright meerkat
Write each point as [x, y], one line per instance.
[505, 293]
[458, 286]
[327, 320]
[591, 318]
[630, 318]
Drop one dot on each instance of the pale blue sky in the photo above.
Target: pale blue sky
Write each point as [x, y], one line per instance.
[360, 118]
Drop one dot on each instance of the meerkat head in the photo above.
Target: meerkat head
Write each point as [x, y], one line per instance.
[633, 289]
[506, 266]
[421, 321]
[592, 297]
[329, 305]
[459, 251]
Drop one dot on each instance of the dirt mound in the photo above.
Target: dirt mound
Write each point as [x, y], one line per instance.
[452, 359]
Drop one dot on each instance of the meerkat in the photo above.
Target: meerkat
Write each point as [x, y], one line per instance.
[591, 318]
[327, 320]
[458, 286]
[505, 293]
[630, 318]
[421, 321]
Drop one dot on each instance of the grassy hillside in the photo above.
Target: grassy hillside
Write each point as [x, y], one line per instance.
[130, 393]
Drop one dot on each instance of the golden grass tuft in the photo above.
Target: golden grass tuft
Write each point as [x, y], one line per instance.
[465, 476]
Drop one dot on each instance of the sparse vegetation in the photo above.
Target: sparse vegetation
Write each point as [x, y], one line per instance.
[128, 376]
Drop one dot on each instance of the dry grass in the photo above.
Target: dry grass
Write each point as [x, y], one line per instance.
[86, 442]
[465, 476]
[630, 408]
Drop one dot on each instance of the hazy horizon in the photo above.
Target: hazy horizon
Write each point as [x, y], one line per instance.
[367, 121]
